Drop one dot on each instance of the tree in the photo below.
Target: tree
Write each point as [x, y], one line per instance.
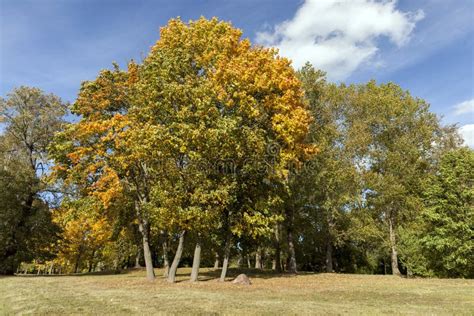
[221, 104]
[395, 142]
[441, 242]
[449, 214]
[322, 193]
[96, 155]
[29, 119]
[155, 132]
[85, 231]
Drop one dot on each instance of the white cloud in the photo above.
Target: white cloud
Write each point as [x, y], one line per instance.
[446, 22]
[467, 133]
[338, 36]
[464, 107]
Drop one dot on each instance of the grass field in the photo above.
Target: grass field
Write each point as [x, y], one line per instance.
[130, 293]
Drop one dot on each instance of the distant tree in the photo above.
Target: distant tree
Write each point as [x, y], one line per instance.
[441, 241]
[327, 186]
[29, 120]
[449, 200]
[85, 232]
[395, 141]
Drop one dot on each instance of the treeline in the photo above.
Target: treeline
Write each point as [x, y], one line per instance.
[214, 152]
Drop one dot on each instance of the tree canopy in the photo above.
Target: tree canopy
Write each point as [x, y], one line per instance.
[29, 119]
[212, 150]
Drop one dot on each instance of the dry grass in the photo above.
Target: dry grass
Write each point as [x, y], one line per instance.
[130, 293]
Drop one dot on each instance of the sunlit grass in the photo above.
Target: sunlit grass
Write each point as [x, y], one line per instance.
[269, 294]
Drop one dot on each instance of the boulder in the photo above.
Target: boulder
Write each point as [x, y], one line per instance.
[242, 279]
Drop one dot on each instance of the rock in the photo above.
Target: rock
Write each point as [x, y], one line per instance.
[242, 279]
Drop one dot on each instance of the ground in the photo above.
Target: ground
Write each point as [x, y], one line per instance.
[130, 293]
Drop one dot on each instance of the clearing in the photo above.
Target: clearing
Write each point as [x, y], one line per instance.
[305, 293]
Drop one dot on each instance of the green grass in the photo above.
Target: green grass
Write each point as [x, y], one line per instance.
[130, 293]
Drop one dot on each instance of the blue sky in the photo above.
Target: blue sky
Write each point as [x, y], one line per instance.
[426, 46]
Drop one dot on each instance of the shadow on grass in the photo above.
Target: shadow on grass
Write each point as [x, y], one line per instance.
[211, 274]
[97, 273]
[205, 274]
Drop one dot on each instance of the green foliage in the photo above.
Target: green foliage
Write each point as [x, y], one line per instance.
[393, 136]
[25, 233]
[443, 239]
[223, 140]
[29, 120]
[186, 136]
[326, 188]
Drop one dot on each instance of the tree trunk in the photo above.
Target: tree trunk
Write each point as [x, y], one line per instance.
[329, 249]
[258, 259]
[115, 265]
[166, 261]
[137, 259]
[393, 245]
[91, 261]
[225, 264]
[144, 231]
[276, 265]
[143, 227]
[249, 264]
[329, 246]
[216, 263]
[291, 246]
[177, 258]
[291, 253]
[240, 260]
[78, 259]
[196, 262]
[51, 268]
